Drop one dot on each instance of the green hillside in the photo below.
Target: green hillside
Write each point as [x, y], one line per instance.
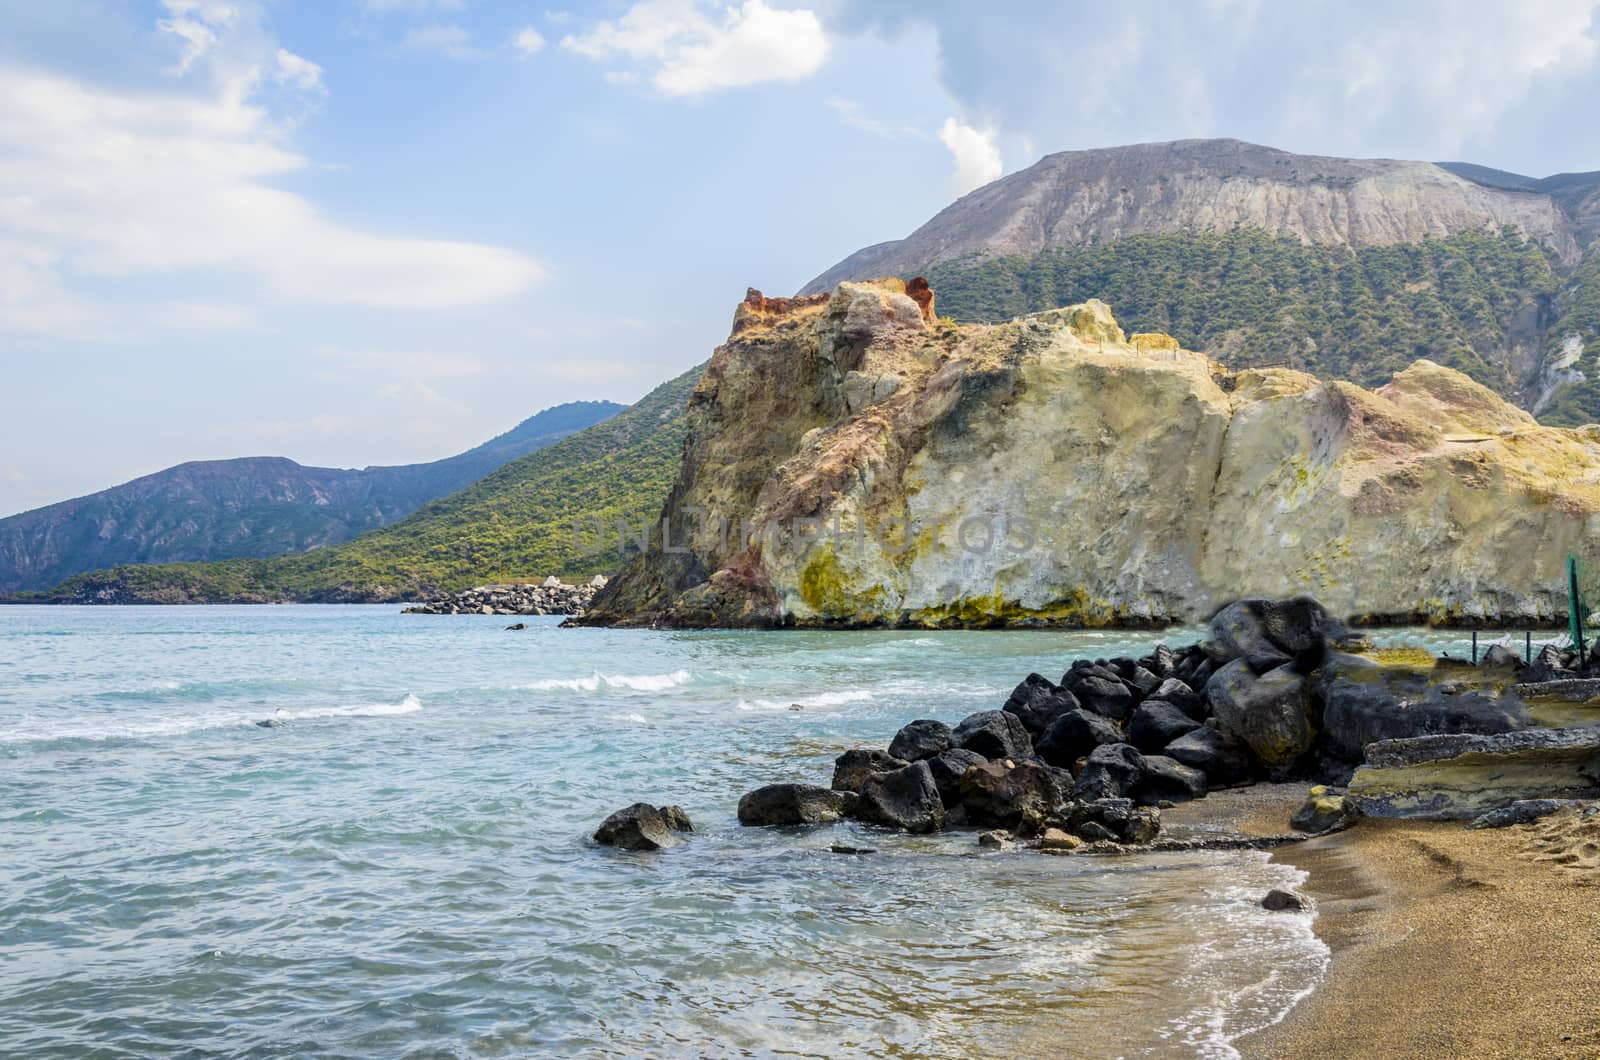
[1361, 314]
[515, 524]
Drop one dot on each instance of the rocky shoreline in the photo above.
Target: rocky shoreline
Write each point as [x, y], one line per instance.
[549, 597]
[1279, 691]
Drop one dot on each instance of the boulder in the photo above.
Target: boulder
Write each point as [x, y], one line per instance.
[676, 819]
[1112, 820]
[1113, 771]
[1364, 703]
[1038, 702]
[1279, 901]
[1142, 681]
[1156, 723]
[1462, 776]
[851, 769]
[997, 838]
[1106, 696]
[1167, 779]
[1163, 662]
[1074, 734]
[997, 794]
[643, 827]
[947, 769]
[1499, 655]
[1323, 812]
[1224, 760]
[993, 734]
[1179, 693]
[905, 798]
[790, 804]
[1056, 841]
[920, 739]
[1240, 633]
[1270, 714]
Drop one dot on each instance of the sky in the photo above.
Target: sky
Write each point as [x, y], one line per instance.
[358, 232]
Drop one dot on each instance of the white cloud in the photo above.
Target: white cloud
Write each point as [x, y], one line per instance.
[528, 40]
[414, 7]
[855, 115]
[296, 72]
[689, 53]
[448, 40]
[976, 155]
[194, 190]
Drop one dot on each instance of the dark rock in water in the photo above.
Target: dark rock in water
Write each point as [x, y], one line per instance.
[996, 794]
[1112, 821]
[639, 827]
[1241, 633]
[1167, 778]
[1464, 776]
[1038, 702]
[1074, 734]
[947, 769]
[851, 769]
[1113, 771]
[1522, 811]
[1499, 655]
[1323, 812]
[517, 626]
[1224, 760]
[269, 723]
[905, 798]
[1106, 696]
[920, 739]
[1364, 703]
[788, 804]
[676, 819]
[993, 734]
[1181, 695]
[1279, 901]
[1270, 714]
[1156, 723]
[840, 848]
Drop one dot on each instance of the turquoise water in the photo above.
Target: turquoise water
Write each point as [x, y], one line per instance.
[401, 867]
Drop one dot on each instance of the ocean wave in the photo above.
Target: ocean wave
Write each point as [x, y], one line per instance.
[598, 680]
[818, 701]
[110, 729]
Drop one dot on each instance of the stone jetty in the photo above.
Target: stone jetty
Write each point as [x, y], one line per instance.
[549, 597]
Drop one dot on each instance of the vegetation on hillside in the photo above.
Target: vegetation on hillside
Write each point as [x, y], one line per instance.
[516, 524]
[1251, 298]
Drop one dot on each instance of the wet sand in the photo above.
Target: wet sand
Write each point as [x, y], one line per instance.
[1448, 942]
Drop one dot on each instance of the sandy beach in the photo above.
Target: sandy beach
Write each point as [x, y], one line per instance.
[1449, 942]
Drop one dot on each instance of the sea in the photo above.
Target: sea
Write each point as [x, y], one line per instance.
[401, 864]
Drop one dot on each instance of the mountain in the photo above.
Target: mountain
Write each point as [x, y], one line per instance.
[531, 517]
[251, 507]
[1343, 267]
[879, 466]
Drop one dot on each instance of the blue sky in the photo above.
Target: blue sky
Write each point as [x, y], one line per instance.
[380, 231]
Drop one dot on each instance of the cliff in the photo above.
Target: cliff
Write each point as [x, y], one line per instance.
[853, 460]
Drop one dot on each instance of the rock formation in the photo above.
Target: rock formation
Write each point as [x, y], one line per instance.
[854, 461]
[549, 597]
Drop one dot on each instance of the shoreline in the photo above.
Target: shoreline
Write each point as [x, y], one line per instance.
[1446, 941]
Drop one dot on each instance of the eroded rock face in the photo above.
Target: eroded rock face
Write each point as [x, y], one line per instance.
[852, 461]
[1465, 776]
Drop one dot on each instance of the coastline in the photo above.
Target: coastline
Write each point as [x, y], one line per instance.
[1449, 942]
